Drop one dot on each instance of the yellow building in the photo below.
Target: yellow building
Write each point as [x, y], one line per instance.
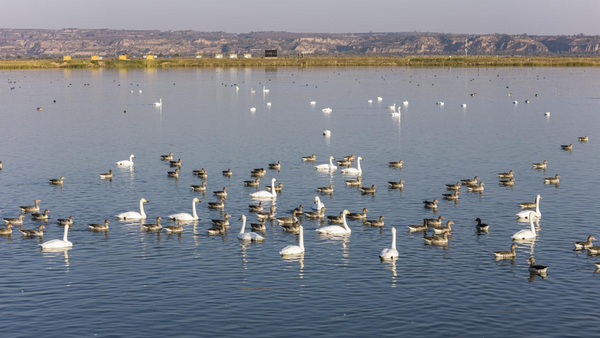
[66, 58]
[95, 58]
[150, 57]
[124, 56]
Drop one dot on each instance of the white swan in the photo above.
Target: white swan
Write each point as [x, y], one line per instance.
[294, 249]
[370, 101]
[58, 243]
[327, 133]
[249, 237]
[464, 105]
[318, 204]
[326, 166]
[252, 110]
[336, 229]
[392, 107]
[265, 193]
[185, 216]
[353, 171]
[379, 98]
[526, 233]
[133, 214]
[312, 103]
[126, 163]
[405, 103]
[159, 103]
[524, 215]
[327, 110]
[390, 253]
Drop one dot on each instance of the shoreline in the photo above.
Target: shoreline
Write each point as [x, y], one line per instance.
[310, 61]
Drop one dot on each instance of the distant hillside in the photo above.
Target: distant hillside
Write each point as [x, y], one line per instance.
[40, 43]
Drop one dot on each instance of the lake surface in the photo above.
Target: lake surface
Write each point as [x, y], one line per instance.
[128, 282]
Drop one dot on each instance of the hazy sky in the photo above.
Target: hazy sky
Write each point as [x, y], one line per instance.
[452, 16]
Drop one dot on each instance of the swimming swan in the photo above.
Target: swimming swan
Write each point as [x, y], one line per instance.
[58, 243]
[354, 171]
[248, 237]
[318, 204]
[526, 233]
[159, 103]
[326, 166]
[185, 216]
[126, 163]
[134, 215]
[523, 215]
[266, 194]
[294, 249]
[336, 229]
[390, 253]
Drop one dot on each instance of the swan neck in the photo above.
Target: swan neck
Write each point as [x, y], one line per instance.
[394, 238]
[531, 224]
[345, 224]
[273, 188]
[142, 209]
[194, 210]
[243, 225]
[66, 232]
[358, 165]
[301, 240]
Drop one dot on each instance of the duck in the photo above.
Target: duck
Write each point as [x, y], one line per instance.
[355, 183]
[42, 216]
[288, 220]
[418, 228]
[455, 187]
[299, 210]
[217, 205]
[470, 181]
[441, 229]
[580, 139]
[344, 163]
[356, 215]
[336, 219]
[17, 221]
[354, 171]
[58, 243]
[530, 205]
[256, 207]
[585, 245]
[310, 158]
[552, 180]
[434, 221]
[509, 174]
[316, 214]
[34, 208]
[451, 197]
[542, 165]
[248, 237]
[153, 226]
[202, 173]
[99, 227]
[367, 190]
[536, 214]
[65, 221]
[221, 193]
[174, 174]
[537, 269]
[126, 163]
[567, 147]
[174, 228]
[398, 164]
[396, 185]
[227, 172]
[375, 222]
[59, 181]
[266, 215]
[185, 216]
[109, 175]
[266, 194]
[258, 226]
[167, 157]
[254, 183]
[275, 166]
[326, 190]
[326, 166]
[291, 250]
[7, 230]
[216, 230]
[507, 254]
[390, 253]
[507, 183]
[336, 229]
[222, 222]
[477, 188]
[431, 204]
[291, 227]
[481, 227]
[39, 232]
[175, 163]
[131, 215]
[526, 233]
[201, 187]
[278, 187]
[436, 240]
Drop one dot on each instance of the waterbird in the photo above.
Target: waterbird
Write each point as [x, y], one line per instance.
[353, 171]
[326, 166]
[552, 180]
[126, 163]
[185, 216]
[99, 227]
[167, 157]
[482, 227]
[248, 237]
[266, 194]
[585, 245]
[41, 216]
[33, 208]
[58, 243]
[506, 254]
[336, 229]
[526, 233]
[537, 269]
[65, 221]
[109, 175]
[39, 232]
[7, 230]
[159, 103]
[153, 226]
[390, 253]
[59, 181]
[174, 228]
[542, 165]
[375, 222]
[16, 221]
[132, 215]
[295, 249]
[536, 214]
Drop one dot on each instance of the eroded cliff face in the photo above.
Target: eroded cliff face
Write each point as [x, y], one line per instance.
[35, 43]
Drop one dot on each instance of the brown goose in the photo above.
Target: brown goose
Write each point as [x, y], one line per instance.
[256, 207]
[108, 175]
[175, 163]
[258, 226]
[552, 180]
[42, 216]
[336, 219]
[275, 166]
[441, 229]
[470, 181]
[34, 208]
[216, 230]
[367, 190]
[254, 183]
[580, 139]
[451, 197]
[221, 193]
[477, 188]
[201, 187]
[294, 227]
[59, 181]
[228, 172]
[350, 158]
[344, 163]
[217, 205]
[153, 226]
[506, 254]
[260, 172]
[67, 221]
[537, 269]
[99, 227]
[175, 228]
[299, 210]
[396, 164]
[326, 190]
[417, 228]
[222, 222]
[16, 221]
[431, 204]
[434, 221]
[482, 227]
[507, 183]
[173, 173]
[167, 157]
[278, 187]
[567, 147]
[39, 232]
[455, 187]
[375, 222]
[354, 183]
[202, 173]
[509, 174]
[288, 220]
[7, 230]
[356, 215]
[310, 158]
[542, 165]
[316, 214]
[266, 215]
[396, 185]
[436, 240]
[585, 245]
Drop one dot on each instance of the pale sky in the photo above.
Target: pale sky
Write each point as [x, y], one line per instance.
[535, 17]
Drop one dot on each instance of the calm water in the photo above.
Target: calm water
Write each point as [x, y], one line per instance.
[131, 283]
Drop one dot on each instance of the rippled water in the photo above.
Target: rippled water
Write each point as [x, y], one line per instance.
[128, 282]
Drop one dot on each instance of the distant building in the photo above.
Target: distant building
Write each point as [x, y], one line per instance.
[67, 58]
[198, 56]
[95, 58]
[233, 56]
[124, 56]
[270, 53]
[247, 56]
[150, 57]
[218, 56]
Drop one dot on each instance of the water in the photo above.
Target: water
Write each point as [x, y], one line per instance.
[134, 283]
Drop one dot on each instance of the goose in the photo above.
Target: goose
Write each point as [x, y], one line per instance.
[42, 216]
[327, 110]
[17, 221]
[353, 171]
[310, 158]
[552, 180]
[174, 174]
[254, 183]
[336, 229]
[442, 230]
[201, 187]
[366, 190]
[542, 165]
[216, 230]
[99, 227]
[482, 227]
[354, 183]
[7, 230]
[436, 240]
[266, 215]
[126, 163]
[258, 226]
[455, 187]
[34, 208]
[470, 181]
[396, 185]
[153, 226]
[585, 245]
[109, 174]
[357, 215]
[336, 219]
[299, 210]
[288, 220]
[253, 109]
[39, 232]
[580, 139]
[597, 265]
[248, 237]
[202, 173]
[417, 228]
[509, 174]
[434, 221]
[451, 197]
[167, 157]
[175, 163]
[275, 166]
[477, 188]
[291, 227]
[217, 205]
[317, 205]
[265, 193]
[344, 163]
[350, 158]
[316, 214]
[326, 190]
[507, 183]
[507, 254]
[256, 207]
[130, 215]
[375, 222]
[398, 164]
[537, 269]
[567, 147]
[326, 166]
[278, 187]
[228, 172]
[185, 216]
[390, 253]
[291, 250]
[258, 172]
[175, 228]
[159, 103]
[526, 233]
[431, 204]
[59, 181]
[58, 243]
[530, 205]
[67, 221]
[221, 193]
[222, 222]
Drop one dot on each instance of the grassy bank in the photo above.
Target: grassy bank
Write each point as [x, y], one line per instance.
[313, 61]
